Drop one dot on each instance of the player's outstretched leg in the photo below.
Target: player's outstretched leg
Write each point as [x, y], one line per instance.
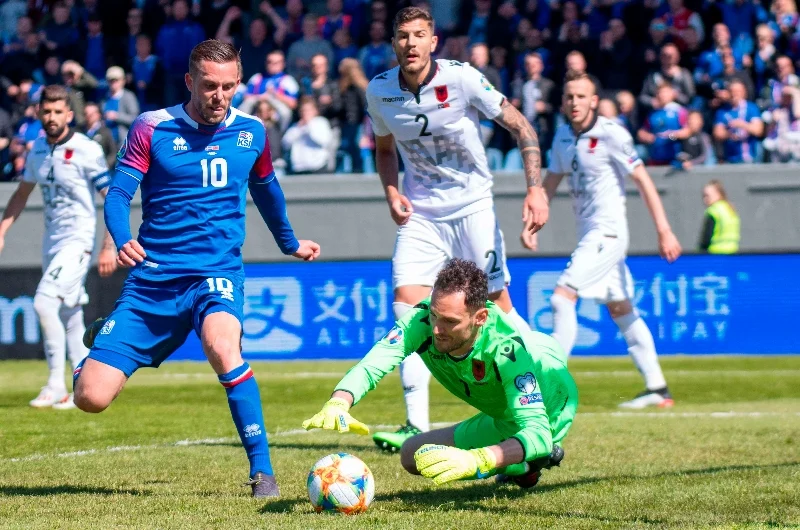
[55, 391]
[565, 319]
[642, 350]
[415, 378]
[72, 317]
[443, 436]
[503, 300]
[96, 384]
[220, 334]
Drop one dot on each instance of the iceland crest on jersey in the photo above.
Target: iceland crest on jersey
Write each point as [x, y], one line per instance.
[245, 139]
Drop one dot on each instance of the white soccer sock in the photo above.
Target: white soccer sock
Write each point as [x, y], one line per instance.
[565, 322]
[54, 338]
[518, 320]
[415, 377]
[72, 317]
[642, 349]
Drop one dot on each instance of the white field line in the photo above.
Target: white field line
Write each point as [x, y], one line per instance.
[435, 425]
[287, 375]
[743, 373]
[615, 373]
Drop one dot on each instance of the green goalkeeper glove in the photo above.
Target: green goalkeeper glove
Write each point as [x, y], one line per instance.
[444, 464]
[334, 416]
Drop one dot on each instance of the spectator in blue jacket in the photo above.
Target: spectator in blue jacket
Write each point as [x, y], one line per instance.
[764, 56]
[147, 75]
[741, 18]
[376, 56]
[94, 55]
[174, 45]
[710, 66]
[60, 34]
[738, 126]
[664, 128]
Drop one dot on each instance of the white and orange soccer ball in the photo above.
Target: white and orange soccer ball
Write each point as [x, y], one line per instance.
[340, 483]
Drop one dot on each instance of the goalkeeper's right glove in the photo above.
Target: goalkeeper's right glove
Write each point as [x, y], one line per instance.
[334, 416]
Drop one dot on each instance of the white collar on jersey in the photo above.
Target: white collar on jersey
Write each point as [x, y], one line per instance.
[179, 112]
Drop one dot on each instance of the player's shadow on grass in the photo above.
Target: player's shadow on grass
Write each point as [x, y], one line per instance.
[482, 490]
[470, 497]
[65, 489]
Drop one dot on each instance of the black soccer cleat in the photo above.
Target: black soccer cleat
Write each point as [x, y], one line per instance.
[531, 478]
[263, 485]
[91, 332]
[526, 481]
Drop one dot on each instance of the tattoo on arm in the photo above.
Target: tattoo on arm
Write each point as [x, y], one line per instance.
[527, 141]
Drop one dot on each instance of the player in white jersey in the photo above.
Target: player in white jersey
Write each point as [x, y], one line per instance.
[68, 167]
[597, 154]
[429, 111]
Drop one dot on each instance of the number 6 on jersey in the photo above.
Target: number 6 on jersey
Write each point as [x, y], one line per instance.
[219, 172]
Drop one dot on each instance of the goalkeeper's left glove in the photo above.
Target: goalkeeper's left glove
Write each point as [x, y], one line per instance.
[444, 464]
[335, 416]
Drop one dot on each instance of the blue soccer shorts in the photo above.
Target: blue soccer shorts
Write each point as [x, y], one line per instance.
[152, 319]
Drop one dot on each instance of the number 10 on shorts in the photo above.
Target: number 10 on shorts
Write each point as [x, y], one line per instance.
[223, 286]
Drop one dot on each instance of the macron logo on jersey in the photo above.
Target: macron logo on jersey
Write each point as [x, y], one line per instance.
[179, 144]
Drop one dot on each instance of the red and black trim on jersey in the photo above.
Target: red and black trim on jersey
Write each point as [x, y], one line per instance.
[588, 128]
[425, 82]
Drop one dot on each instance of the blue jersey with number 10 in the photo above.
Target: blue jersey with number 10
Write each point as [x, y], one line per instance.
[194, 181]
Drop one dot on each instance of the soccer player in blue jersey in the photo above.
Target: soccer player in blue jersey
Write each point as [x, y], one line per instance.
[194, 163]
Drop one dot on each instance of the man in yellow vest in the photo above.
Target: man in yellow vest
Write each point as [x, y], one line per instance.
[721, 230]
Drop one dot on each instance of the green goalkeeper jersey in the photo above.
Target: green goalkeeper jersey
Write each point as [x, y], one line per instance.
[518, 378]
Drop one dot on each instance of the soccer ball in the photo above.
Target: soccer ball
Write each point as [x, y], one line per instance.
[340, 483]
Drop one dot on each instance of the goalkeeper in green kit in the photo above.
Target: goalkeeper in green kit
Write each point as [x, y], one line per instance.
[517, 380]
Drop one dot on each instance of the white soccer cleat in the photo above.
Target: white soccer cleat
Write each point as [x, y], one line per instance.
[48, 397]
[65, 404]
[660, 398]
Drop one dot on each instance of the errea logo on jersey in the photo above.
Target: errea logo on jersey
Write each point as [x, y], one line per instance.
[179, 144]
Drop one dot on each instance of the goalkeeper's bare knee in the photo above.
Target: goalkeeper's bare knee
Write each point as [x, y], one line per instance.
[407, 455]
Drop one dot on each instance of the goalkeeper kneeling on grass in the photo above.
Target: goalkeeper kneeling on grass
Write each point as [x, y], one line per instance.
[518, 380]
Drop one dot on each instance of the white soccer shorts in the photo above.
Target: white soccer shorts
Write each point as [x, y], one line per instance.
[65, 275]
[423, 247]
[597, 269]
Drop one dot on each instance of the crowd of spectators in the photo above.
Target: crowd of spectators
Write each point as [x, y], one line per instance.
[694, 81]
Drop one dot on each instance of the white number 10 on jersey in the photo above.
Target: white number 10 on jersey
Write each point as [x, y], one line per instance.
[219, 172]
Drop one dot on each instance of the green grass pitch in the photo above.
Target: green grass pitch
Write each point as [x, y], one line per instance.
[165, 454]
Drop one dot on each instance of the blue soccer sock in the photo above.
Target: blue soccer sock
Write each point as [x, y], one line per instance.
[77, 372]
[244, 400]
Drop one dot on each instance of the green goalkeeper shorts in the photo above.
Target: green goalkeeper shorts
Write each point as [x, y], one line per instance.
[482, 430]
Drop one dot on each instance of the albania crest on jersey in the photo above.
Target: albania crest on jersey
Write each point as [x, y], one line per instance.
[441, 93]
[592, 145]
[478, 369]
[68, 154]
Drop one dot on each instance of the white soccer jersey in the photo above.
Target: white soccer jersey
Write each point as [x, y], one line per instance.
[597, 162]
[68, 173]
[438, 135]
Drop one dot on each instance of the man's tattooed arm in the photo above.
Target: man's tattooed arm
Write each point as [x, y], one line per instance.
[527, 141]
